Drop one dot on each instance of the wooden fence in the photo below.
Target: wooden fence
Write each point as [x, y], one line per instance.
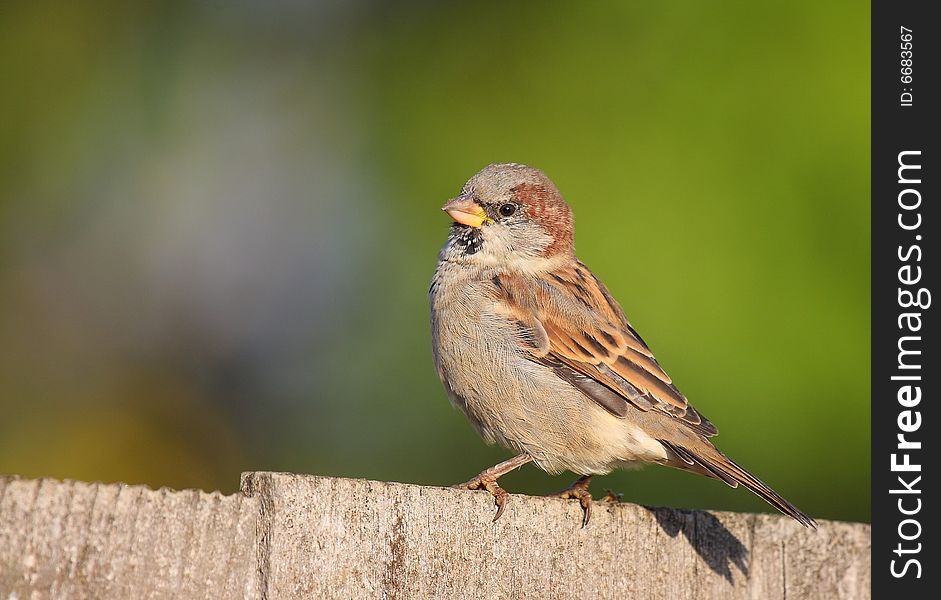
[302, 536]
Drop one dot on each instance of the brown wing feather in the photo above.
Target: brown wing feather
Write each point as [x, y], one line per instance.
[597, 342]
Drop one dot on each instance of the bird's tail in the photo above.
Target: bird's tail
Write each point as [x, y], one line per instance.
[719, 466]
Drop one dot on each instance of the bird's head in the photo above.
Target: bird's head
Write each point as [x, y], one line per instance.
[509, 215]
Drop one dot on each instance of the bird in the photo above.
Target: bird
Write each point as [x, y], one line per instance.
[535, 351]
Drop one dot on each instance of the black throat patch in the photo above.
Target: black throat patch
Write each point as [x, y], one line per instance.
[468, 238]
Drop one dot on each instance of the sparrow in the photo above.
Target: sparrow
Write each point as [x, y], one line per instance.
[533, 349]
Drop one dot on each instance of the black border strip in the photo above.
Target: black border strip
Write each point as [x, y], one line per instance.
[904, 272]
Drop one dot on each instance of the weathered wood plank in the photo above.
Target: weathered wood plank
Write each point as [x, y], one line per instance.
[90, 540]
[346, 538]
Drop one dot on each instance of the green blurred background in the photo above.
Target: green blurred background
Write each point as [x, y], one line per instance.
[218, 222]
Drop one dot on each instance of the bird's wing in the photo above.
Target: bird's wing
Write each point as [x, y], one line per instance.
[569, 322]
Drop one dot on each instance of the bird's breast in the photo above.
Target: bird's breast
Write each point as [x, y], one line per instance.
[508, 398]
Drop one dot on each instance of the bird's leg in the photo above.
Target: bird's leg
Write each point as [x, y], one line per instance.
[579, 491]
[488, 480]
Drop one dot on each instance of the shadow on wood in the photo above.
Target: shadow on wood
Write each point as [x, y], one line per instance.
[712, 541]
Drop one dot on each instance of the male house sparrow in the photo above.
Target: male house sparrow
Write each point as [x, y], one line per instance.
[540, 358]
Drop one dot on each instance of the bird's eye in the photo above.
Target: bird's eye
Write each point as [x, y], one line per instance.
[507, 209]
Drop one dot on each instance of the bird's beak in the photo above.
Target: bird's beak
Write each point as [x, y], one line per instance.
[465, 211]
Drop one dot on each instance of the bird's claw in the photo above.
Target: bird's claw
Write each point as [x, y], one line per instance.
[579, 491]
[612, 497]
[488, 481]
[499, 494]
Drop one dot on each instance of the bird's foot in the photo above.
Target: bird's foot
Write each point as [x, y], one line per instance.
[488, 481]
[612, 497]
[579, 491]
[482, 482]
